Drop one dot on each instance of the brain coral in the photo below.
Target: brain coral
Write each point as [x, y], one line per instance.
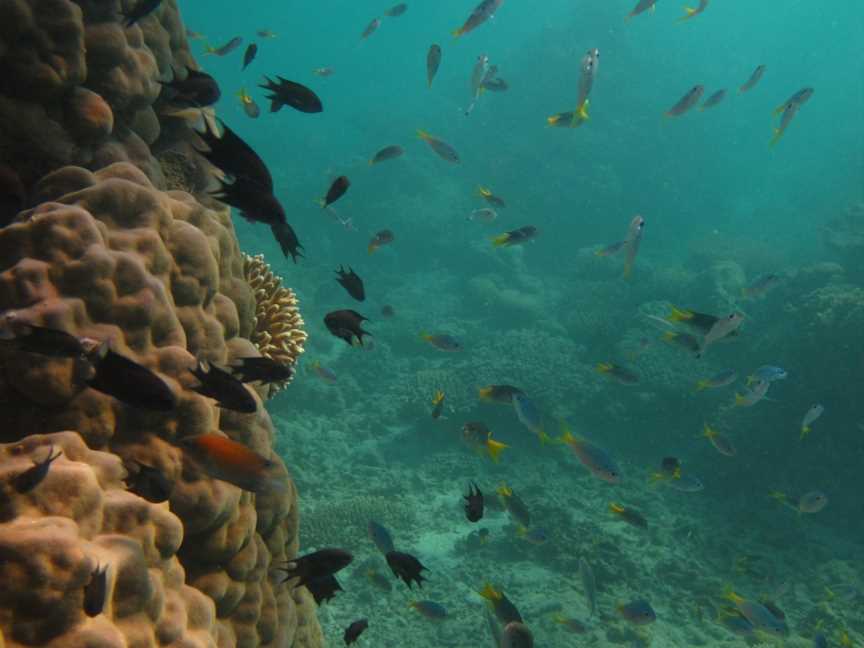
[110, 257]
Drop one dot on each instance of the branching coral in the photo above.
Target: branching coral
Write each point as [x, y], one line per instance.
[278, 326]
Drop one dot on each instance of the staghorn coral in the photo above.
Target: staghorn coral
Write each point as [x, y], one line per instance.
[277, 329]
[108, 256]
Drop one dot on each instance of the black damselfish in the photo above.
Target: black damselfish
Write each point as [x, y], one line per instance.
[346, 325]
[323, 589]
[262, 369]
[317, 565]
[198, 89]
[351, 282]
[224, 388]
[149, 483]
[406, 567]
[131, 383]
[141, 9]
[33, 476]
[473, 503]
[290, 93]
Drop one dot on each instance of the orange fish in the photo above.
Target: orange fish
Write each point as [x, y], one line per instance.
[233, 462]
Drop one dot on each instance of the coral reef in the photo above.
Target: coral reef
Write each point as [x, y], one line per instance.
[277, 326]
[108, 256]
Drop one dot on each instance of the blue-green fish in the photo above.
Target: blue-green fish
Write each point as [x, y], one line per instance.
[721, 379]
[638, 612]
[594, 458]
[757, 614]
[430, 610]
[381, 537]
[529, 416]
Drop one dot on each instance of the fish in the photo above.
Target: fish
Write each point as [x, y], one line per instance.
[478, 437]
[139, 10]
[722, 328]
[441, 148]
[685, 340]
[197, 89]
[685, 103]
[371, 28]
[193, 35]
[713, 100]
[569, 119]
[224, 388]
[323, 589]
[491, 198]
[504, 609]
[720, 442]
[495, 85]
[396, 10]
[290, 93]
[721, 379]
[266, 33]
[473, 503]
[572, 625]
[788, 110]
[437, 404]
[49, 342]
[686, 484]
[481, 13]
[225, 49]
[249, 106]
[261, 369]
[484, 215]
[406, 567]
[388, 311]
[433, 62]
[250, 54]
[478, 74]
[517, 635]
[430, 610]
[701, 322]
[379, 580]
[337, 189]
[131, 383]
[380, 537]
[755, 77]
[323, 72]
[346, 324]
[535, 535]
[316, 565]
[690, 12]
[810, 416]
[353, 631]
[768, 373]
[637, 612]
[753, 394]
[442, 341]
[287, 239]
[387, 153]
[529, 416]
[641, 6]
[29, 479]
[516, 237]
[148, 483]
[515, 505]
[589, 585]
[761, 286]
[232, 462]
[628, 515]
[96, 591]
[612, 248]
[588, 67]
[594, 458]
[619, 374]
[499, 393]
[384, 237]
[352, 283]
[631, 243]
[758, 615]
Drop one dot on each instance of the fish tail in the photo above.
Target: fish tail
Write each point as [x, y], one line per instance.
[777, 495]
[521, 531]
[552, 120]
[669, 336]
[777, 135]
[679, 315]
[615, 508]
[439, 396]
[740, 401]
[484, 392]
[582, 110]
[628, 270]
[423, 135]
[424, 336]
[544, 438]
[495, 448]
[371, 248]
[209, 49]
[603, 367]
[500, 240]
[458, 32]
[702, 385]
[805, 430]
[489, 593]
[485, 192]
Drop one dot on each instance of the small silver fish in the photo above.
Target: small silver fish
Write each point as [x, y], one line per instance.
[685, 103]
[478, 73]
[588, 66]
[753, 80]
[631, 243]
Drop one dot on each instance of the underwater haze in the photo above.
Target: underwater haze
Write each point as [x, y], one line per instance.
[686, 352]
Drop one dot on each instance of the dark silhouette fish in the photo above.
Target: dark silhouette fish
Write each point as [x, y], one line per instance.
[406, 567]
[249, 55]
[433, 61]
[387, 153]
[346, 325]
[336, 191]
[234, 157]
[95, 592]
[353, 631]
[323, 589]
[49, 342]
[225, 389]
[252, 200]
[290, 93]
[396, 10]
[755, 77]
[149, 483]
[141, 9]
[685, 103]
[197, 89]
[33, 476]
[351, 283]
[316, 565]
[384, 237]
[264, 370]
[371, 28]
[131, 383]
[287, 239]
[473, 503]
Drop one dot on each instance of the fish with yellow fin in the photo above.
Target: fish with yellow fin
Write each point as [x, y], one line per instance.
[478, 437]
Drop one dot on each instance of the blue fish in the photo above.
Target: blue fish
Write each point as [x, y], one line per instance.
[529, 416]
[768, 374]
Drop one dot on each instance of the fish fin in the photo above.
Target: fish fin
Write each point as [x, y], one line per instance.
[740, 400]
[777, 135]
[484, 392]
[371, 248]
[603, 367]
[457, 32]
[545, 438]
[485, 192]
[628, 270]
[669, 336]
[805, 430]
[490, 593]
[495, 448]
[702, 385]
[500, 240]
[616, 508]
[552, 120]
[679, 315]
[423, 135]
[582, 110]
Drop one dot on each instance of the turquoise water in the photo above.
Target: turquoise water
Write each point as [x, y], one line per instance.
[721, 206]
